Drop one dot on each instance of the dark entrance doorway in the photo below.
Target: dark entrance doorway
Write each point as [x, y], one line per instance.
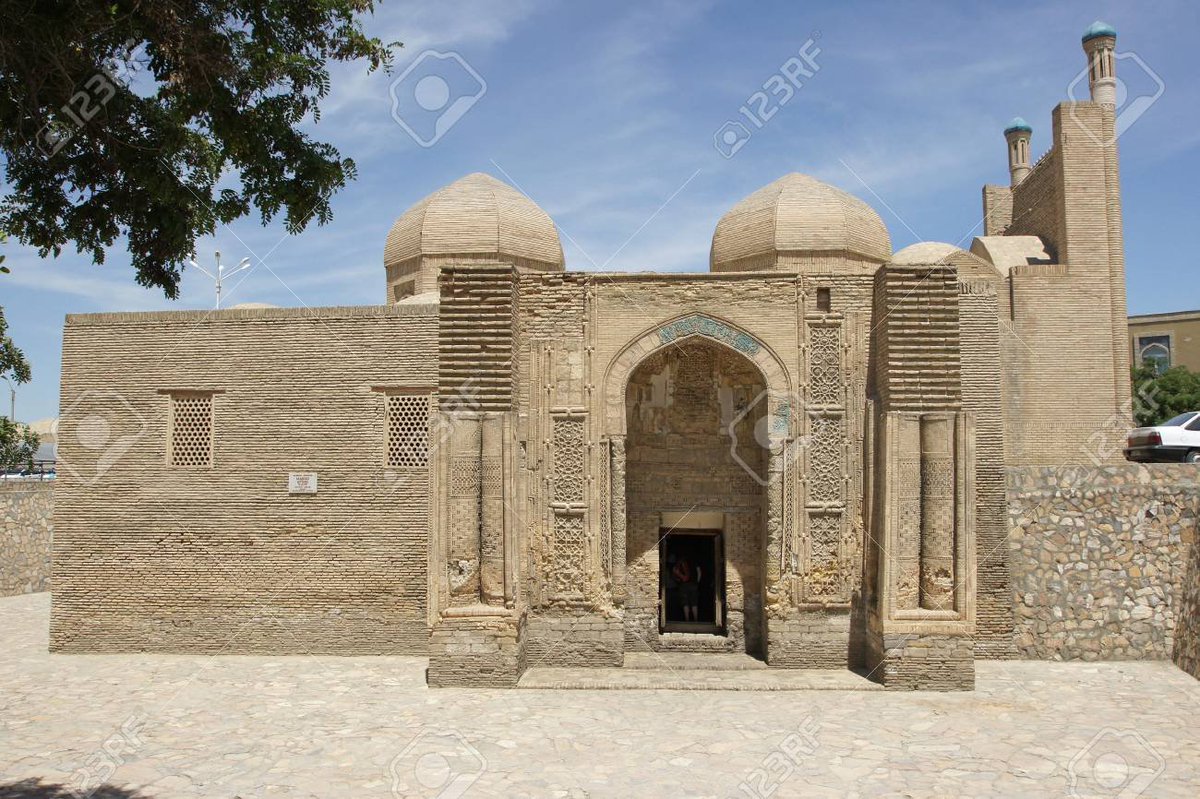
[692, 582]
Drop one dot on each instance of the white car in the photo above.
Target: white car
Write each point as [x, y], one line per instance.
[1175, 440]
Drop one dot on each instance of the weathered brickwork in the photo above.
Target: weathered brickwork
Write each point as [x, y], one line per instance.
[1037, 202]
[1099, 558]
[573, 639]
[1071, 200]
[831, 422]
[925, 663]
[810, 639]
[981, 394]
[26, 533]
[484, 650]
[150, 557]
[679, 457]
[921, 563]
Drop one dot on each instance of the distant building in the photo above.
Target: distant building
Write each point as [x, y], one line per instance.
[1172, 339]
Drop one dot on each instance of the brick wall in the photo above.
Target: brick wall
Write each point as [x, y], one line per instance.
[25, 536]
[1098, 559]
[1074, 309]
[152, 557]
[925, 662]
[1037, 202]
[981, 393]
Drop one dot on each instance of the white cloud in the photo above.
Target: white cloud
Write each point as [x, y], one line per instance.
[57, 277]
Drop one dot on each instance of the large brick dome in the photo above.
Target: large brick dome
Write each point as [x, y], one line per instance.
[796, 220]
[476, 216]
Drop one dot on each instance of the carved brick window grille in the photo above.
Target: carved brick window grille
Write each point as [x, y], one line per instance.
[408, 430]
[826, 460]
[569, 553]
[825, 571]
[568, 460]
[825, 534]
[825, 365]
[191, 429]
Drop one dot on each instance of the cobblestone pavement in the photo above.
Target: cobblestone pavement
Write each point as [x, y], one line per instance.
[181, 726]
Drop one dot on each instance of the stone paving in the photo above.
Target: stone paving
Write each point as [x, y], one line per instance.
[182, 726]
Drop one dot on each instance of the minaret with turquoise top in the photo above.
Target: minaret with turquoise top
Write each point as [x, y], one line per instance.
[1018, 134]
[1100, 43]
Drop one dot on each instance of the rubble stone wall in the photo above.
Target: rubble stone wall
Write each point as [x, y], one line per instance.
[1098, 558]
[25, 535]
[1187, 623]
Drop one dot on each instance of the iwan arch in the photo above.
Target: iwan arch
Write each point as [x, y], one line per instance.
[513, 460]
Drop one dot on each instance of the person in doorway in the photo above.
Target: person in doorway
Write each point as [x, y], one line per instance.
[687, 579]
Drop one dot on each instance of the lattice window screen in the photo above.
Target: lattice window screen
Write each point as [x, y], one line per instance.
[191, 429]
[569, 556]
[408, 430]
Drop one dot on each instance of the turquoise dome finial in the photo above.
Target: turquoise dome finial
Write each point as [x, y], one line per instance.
[1016, 124]
[1098, 29]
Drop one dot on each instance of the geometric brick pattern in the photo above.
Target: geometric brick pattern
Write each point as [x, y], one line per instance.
[191, 429]
[568, 460]
[826, 460]
[408, 430]
[825, 365]
[464, 476]
[569, 556]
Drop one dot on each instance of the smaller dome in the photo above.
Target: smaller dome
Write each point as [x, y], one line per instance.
[1017, 123]
[926, 252]
[934, 253]
[1098, 29]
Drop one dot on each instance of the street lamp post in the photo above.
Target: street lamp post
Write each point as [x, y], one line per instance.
[221, 272]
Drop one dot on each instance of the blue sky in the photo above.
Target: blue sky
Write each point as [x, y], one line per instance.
[605, 113]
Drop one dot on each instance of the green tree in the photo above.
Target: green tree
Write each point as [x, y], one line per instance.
[1157, 396]
[121, 117]
[17, 442]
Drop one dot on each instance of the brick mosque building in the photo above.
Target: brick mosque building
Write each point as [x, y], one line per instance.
[800, 454]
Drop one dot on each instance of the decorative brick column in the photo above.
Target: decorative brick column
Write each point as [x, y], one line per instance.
[773, 535]
[921, 613]
[462, 502]
[476, 640]
[937, 512]
[491, 512]
[618, 521]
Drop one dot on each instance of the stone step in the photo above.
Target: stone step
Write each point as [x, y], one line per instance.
[689, 661]
[612, 679]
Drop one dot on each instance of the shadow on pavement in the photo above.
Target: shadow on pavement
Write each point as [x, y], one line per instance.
[36, 789]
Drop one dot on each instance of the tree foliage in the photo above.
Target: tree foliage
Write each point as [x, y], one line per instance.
[1158, 396]
[17, 442]
[127, 118]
